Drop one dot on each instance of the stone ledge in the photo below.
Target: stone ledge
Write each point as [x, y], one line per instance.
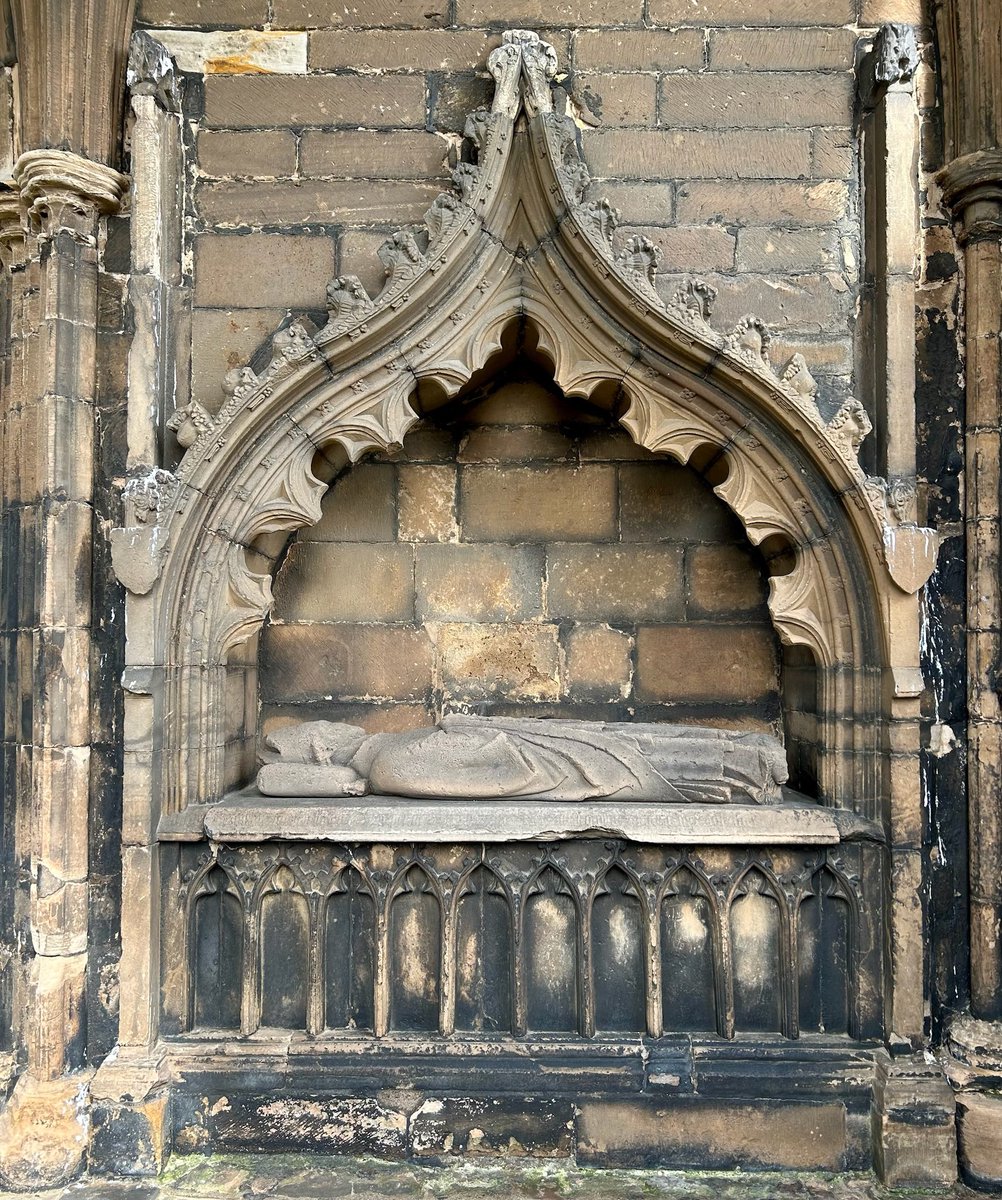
[250, 817]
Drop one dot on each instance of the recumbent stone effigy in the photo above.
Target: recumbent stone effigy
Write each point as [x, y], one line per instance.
[471, 758]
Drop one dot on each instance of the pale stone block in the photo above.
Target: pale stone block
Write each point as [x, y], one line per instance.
[248, 817]
[509, 662]
[638, 49]
[635, 1133]
[724, 579]
[249, 101]
[350, 154]
[614, 583]
[979, 1121]
[302, 662]
[389, 50]
[692, 154]
[618, 99]
[353, 581]
[59, 805]
[537, 503]
[782, 49]
[43, 1132]
[706, 663]
[427, 510]
[358, 507]
[774, 100]
[313, 202]
[514, 443]
[599, 662]
[914, 1124]
[236, 51]
[252, 152]
[478, 583]
[255, 270]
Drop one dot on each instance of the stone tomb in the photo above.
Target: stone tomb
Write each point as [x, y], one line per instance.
[521, 483]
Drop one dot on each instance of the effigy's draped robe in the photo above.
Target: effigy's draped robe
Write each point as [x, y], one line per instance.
[480, 758]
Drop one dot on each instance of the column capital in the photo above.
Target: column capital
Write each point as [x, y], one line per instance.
[972, 187]
[61, 190]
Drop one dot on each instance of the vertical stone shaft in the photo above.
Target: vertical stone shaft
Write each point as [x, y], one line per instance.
[984, 657]
[970, 32]
[64, 196]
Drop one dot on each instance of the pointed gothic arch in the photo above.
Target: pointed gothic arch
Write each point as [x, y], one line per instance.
[516, 241]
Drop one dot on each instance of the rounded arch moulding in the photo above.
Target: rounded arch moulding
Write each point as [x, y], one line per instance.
[514, 240]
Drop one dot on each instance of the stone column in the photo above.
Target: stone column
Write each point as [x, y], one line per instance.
[970, 32]
[63, 196]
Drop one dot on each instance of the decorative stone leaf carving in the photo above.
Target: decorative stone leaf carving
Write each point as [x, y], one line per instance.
[639, 261]
[800, 383]
[605, 219]
[443, 214]
[402, 258]
[189, 423]
[693, 303]
[239, 382]
[477, 128]
[347, 300]
[749, 340]
[848, 428]
[465, 176]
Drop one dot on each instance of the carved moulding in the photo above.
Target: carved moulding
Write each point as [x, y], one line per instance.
[513, 241]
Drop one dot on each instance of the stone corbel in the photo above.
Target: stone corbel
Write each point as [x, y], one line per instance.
[894, 59]
[139, 547]
[151, 72]
[63, 192]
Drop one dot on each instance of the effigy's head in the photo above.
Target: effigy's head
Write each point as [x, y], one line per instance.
[324, 742]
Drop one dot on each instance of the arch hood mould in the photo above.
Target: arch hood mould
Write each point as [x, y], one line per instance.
[513, 239]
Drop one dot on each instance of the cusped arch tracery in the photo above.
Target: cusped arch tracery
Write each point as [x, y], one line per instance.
[513, 243]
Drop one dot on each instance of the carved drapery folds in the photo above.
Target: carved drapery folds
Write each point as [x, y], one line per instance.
[515, 241]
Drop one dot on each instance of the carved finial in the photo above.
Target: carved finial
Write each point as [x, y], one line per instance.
[150, 71]
[539, 65]
[896, 54]
[189, 423]
[505, 64]
[605, 219]
[347, 299]
[750, 339]
[694, 302]
[848, 428]
[799, 380]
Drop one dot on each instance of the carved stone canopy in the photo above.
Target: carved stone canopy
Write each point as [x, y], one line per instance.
[514, 241]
